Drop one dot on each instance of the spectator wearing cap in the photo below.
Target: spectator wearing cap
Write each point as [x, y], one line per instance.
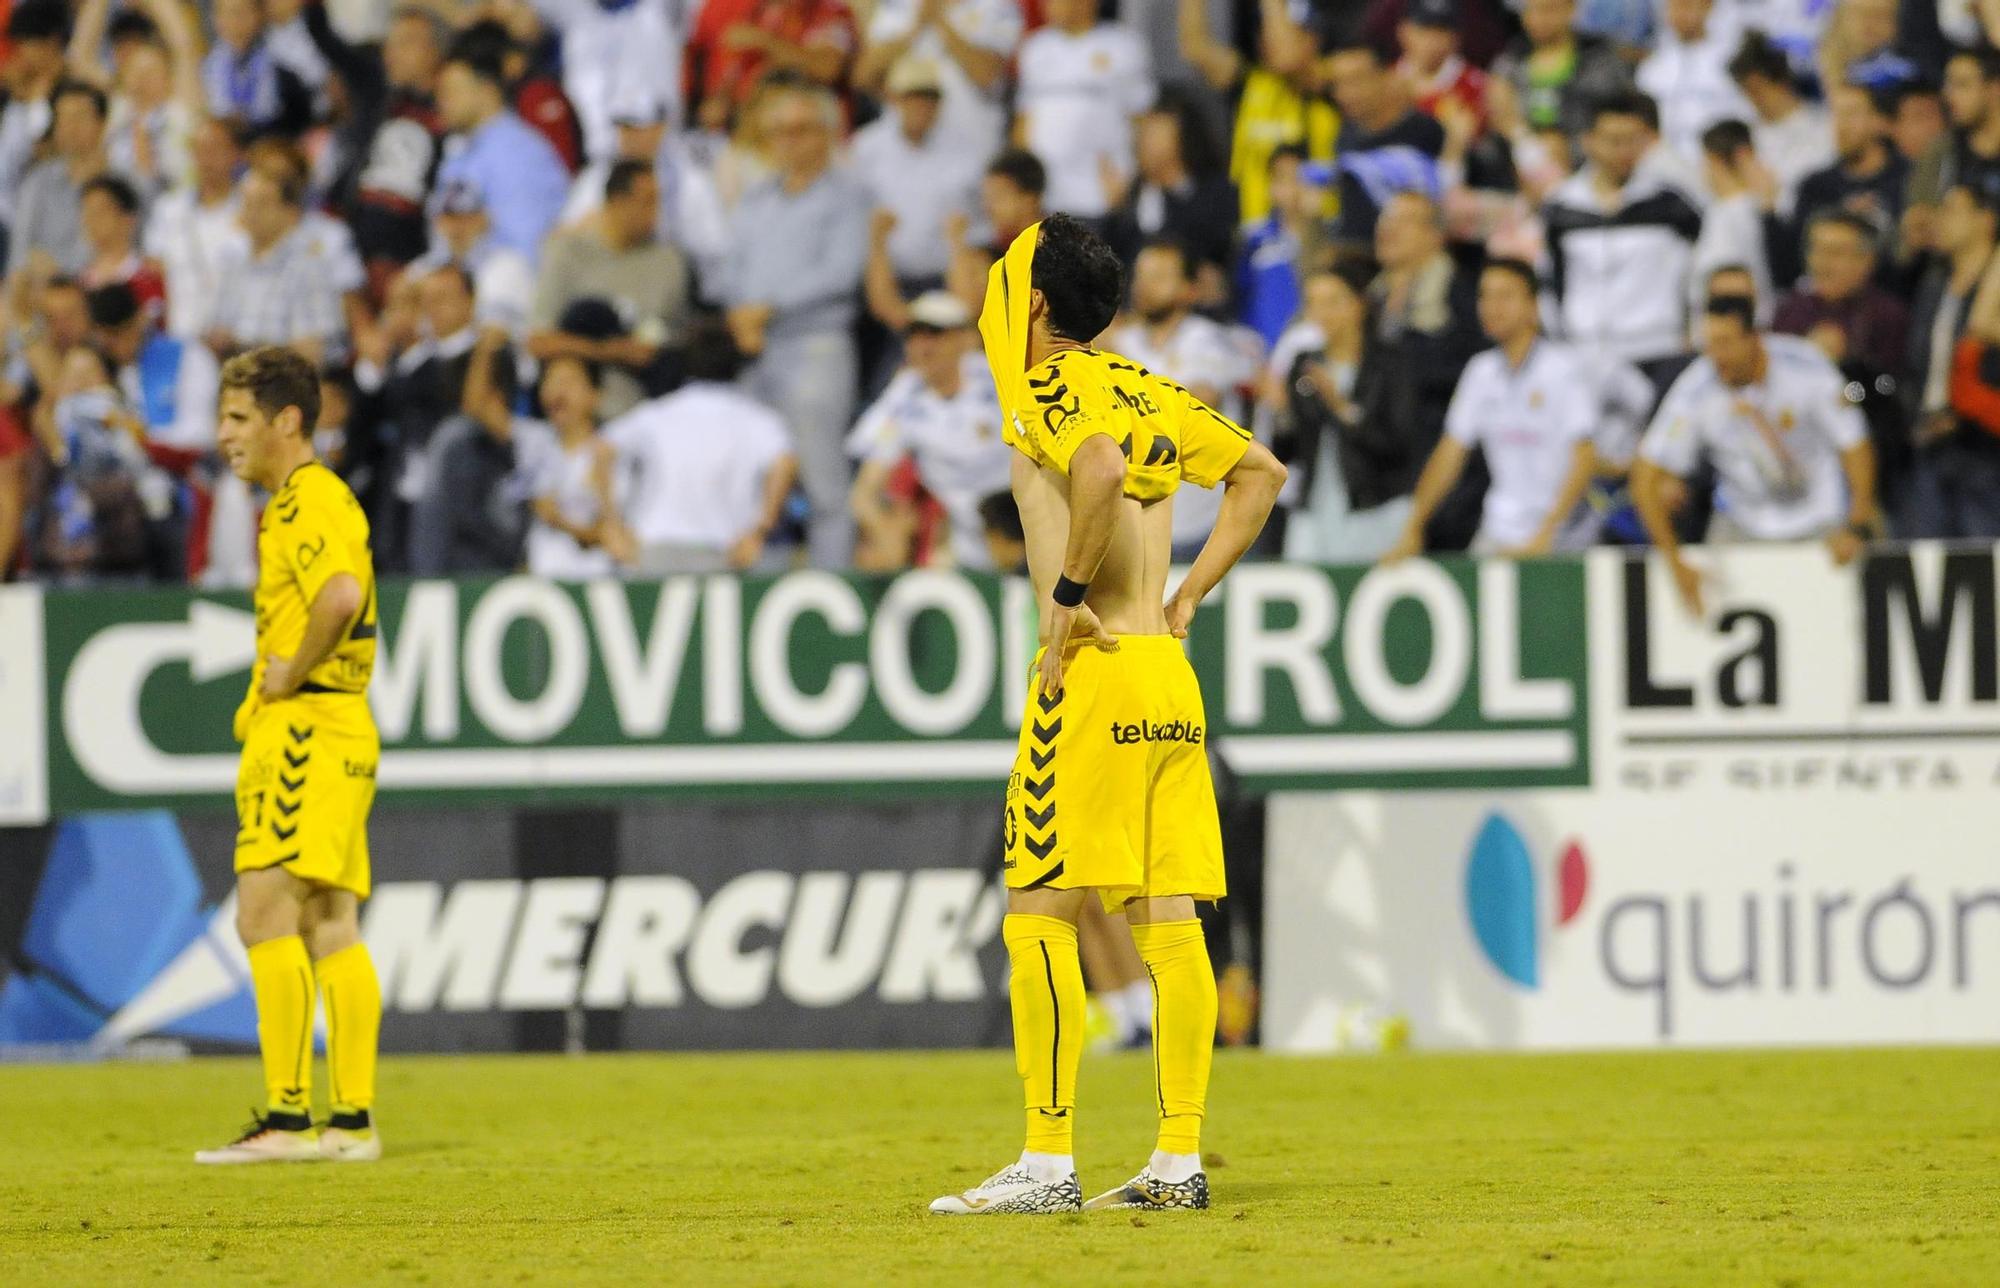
[616, 257]
[193, 233]
[793, 289]
[1620, 242]
[1181, 192]
[1082, 84]
[462, 234]
[1791, 454]
[36, 33]
[1556, 71]
[1733, 224]
[969, 42]
[1385, 146]
[109, 212]
[608, 45]
[1431, 67]
[1867, 176]
[1276, 98]
[692, 218]
[1838, 306]
[391, 137]
[282, 290]
[918, 173]
[520, 175]
[48, 212]
[1793, 136]
[941, 413]
[1216, 363]
[1687, 74]
[706, 469]
[243, 79]
[1530, 405]
[1952, 489]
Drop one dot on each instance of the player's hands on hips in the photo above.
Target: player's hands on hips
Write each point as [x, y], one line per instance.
[1180, 614]
[1066, 624]
[279, 682]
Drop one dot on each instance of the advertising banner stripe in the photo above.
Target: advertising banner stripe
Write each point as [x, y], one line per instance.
[1389, 752]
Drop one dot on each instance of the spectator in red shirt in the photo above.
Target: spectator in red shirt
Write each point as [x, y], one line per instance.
[110, 216]
[735, 42]
[1431, 65]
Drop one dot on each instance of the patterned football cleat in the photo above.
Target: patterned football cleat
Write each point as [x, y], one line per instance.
[1148, 1191]
[351, 1138]
[1013, 1189]
[270, 1138]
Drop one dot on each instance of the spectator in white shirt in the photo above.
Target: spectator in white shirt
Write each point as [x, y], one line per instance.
[1688, 75]
[708, 467]
[919, 173]
[969, 41]
[940, 411]
[1216, 363]
[608, 47]
[1732, 227]
[1791, 453]
[1531, 405]
[194, 234]
[568, 472]
[1793, 136]
[1081, 84]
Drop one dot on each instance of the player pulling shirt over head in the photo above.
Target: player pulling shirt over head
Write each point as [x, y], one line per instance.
[1110, 797]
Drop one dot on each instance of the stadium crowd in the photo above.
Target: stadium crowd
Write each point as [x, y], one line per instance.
[654, 286]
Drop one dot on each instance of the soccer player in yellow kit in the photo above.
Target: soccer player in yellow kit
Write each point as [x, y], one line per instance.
[1110, 797]
[308, 773]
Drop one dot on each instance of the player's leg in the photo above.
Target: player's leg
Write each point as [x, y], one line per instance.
[269, 915]
[1121, 999]
[352, 996]
[1045, 989]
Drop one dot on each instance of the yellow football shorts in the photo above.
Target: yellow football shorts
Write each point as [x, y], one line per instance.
[1110, 788]
[304, 789]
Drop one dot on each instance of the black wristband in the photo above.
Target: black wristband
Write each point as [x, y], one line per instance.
[1068, 594]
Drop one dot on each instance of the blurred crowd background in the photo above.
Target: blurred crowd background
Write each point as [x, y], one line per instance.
[654, 286]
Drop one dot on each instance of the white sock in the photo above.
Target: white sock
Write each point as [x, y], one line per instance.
[1113, 1001]
[1174, 1168]
[1048, 1168]
[1139, 1002]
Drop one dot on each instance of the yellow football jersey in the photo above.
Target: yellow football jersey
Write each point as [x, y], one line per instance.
[1166, 433]
[312, 529]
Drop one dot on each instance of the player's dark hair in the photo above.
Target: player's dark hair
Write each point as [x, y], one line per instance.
[1517, 268]
[1727, 140]
[82, 89]
[111, 306]
[1183, 254]
[1079, 275]
[276, 377]
[1626, 103]
[122, 193]
[999, 513]
[1021, 168]
[39, 20]
[1740, 307]
[625, 175]
[710, 353]
[1759, 56]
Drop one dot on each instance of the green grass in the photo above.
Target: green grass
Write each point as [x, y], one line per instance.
[1877, 1167]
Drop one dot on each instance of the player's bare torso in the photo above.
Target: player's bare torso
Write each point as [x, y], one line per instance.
[1128, 593]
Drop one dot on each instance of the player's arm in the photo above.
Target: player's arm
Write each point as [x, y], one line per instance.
[333, 610]
[1249, 491]
[1096, 486]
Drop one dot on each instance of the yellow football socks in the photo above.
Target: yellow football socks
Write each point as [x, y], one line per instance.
[1046, 984]
[353, 1024]
[1183, 1027]
[282, 975]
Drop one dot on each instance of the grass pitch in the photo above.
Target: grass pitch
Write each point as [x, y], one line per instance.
[1878, 1167]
